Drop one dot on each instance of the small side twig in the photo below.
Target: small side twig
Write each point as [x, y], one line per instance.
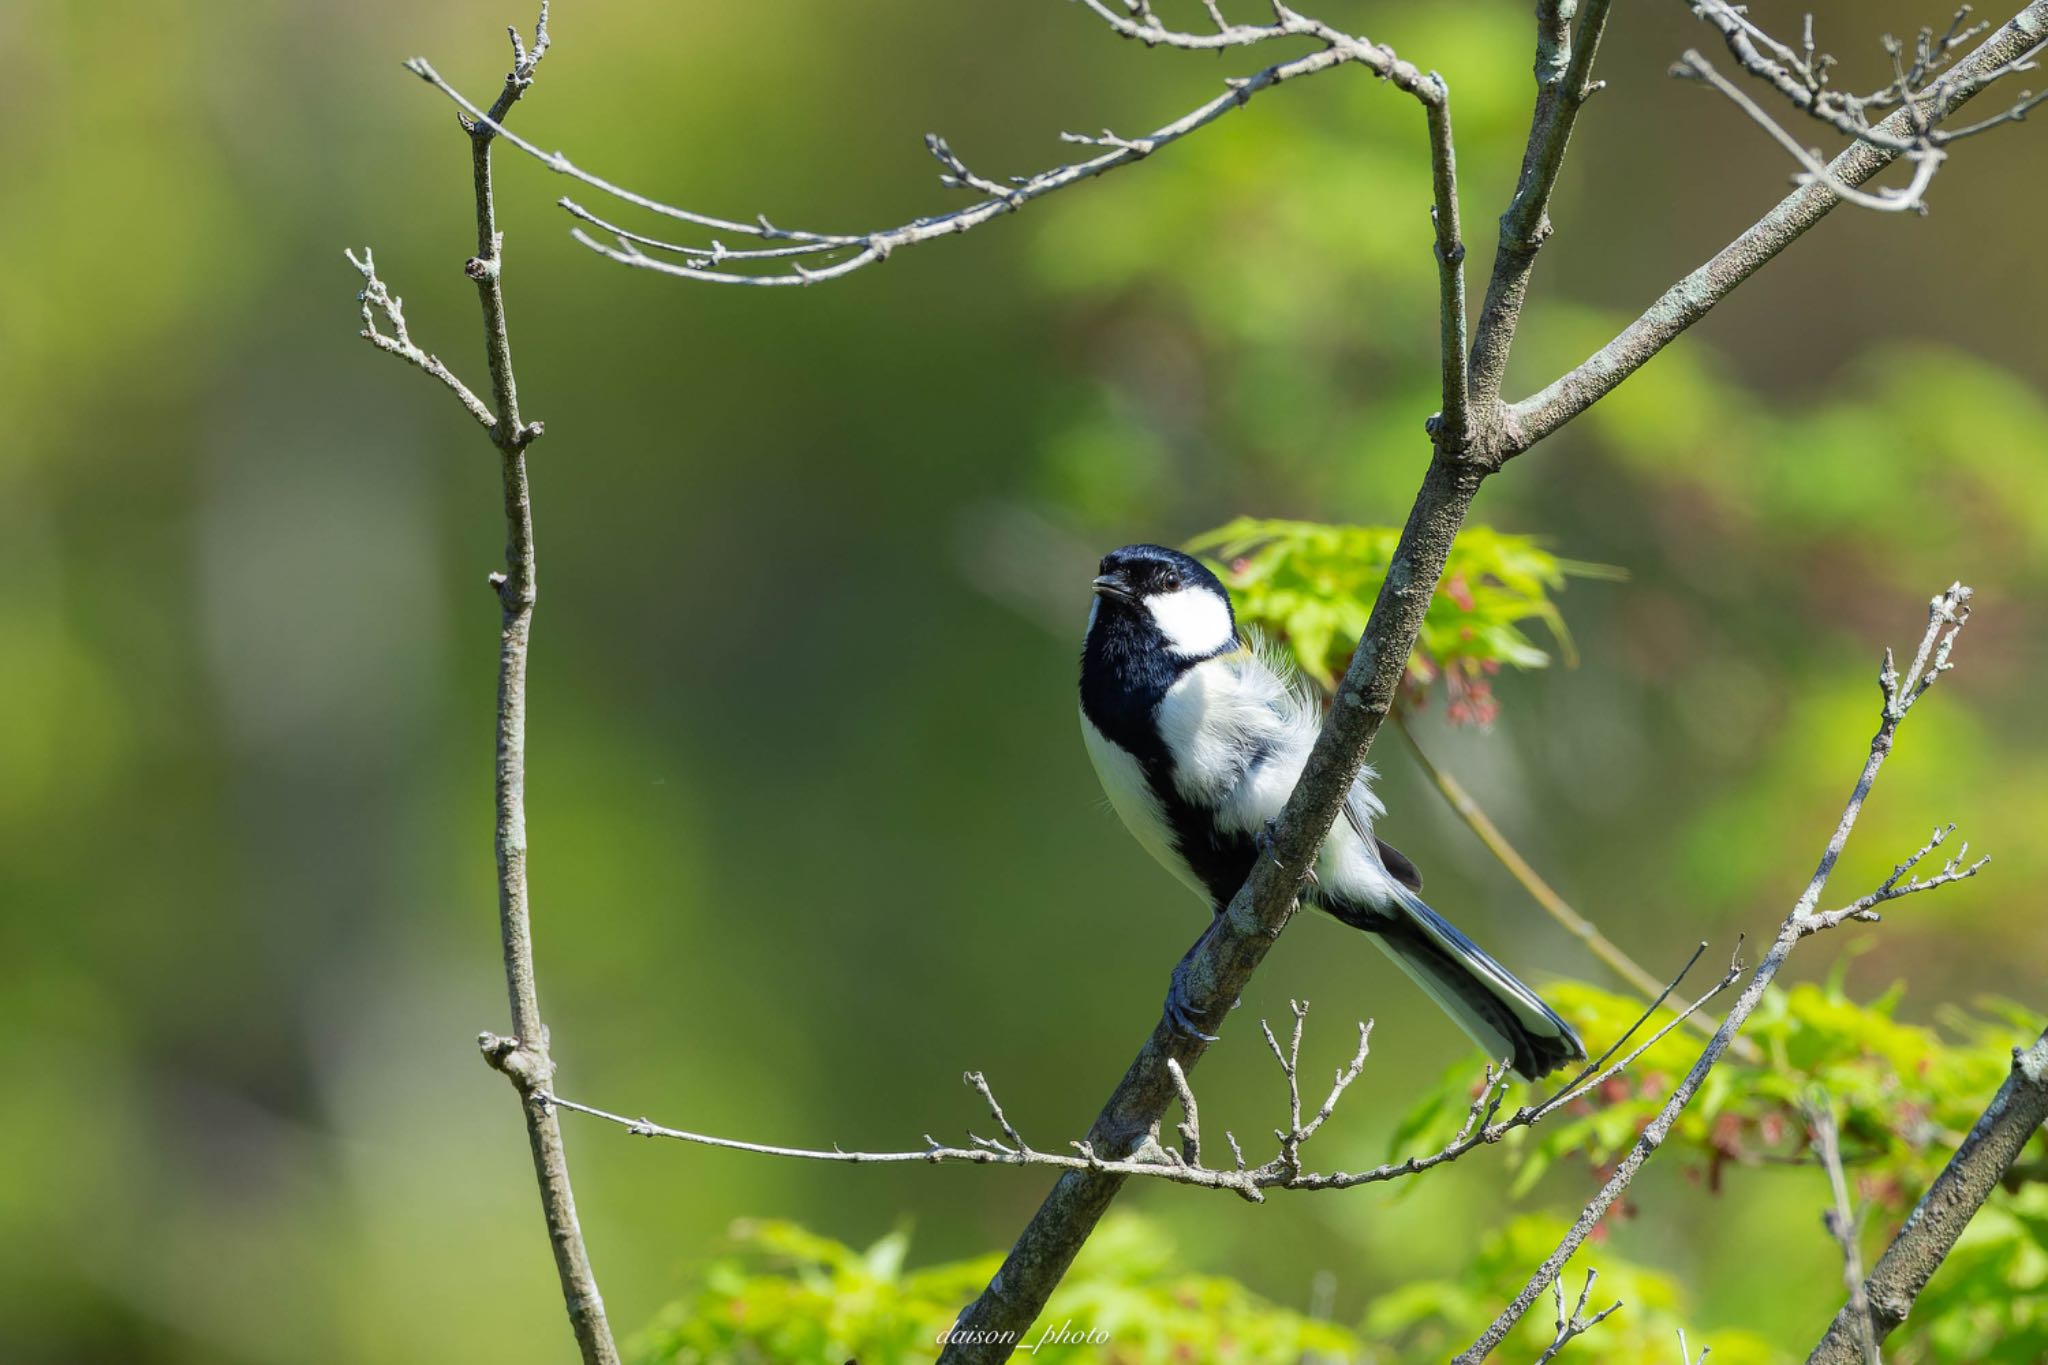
[378, 299]
[1575, 1323]
[1842, 1222]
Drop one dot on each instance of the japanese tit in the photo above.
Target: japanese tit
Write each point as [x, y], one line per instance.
[1198, 742]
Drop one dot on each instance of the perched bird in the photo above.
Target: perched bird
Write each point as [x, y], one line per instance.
[1198, 742]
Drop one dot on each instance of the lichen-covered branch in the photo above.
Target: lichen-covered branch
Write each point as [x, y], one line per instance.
[1929, 1233]
[1946, 615]
[523, 1056]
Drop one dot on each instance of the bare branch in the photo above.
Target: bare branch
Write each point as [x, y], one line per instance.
[841, 254]
[1191, 1119]
[1891, 888]
[377, 299]
[1575, 1323]
[1284, 1171]
[1946, 615]
[1843, 1224]
[981, 1087]
[1802, 76]
[1929, 1233]
[1693, 297]
[1926, 160]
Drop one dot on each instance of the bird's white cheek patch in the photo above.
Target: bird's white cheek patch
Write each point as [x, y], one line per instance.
[1195, 622]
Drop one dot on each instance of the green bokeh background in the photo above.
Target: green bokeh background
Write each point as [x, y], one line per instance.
[812, 830]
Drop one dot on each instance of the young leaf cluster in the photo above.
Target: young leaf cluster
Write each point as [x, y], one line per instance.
[786, 1294]
[1308, 588]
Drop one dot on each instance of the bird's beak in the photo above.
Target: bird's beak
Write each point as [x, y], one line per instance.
[1109, 585]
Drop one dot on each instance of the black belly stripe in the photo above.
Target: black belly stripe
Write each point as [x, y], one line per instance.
[1125, 674]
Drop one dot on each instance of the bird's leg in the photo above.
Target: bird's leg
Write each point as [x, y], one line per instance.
[1267, 843]
[1180, 1015]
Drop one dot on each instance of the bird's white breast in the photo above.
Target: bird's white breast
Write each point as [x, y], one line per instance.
[1239, 737]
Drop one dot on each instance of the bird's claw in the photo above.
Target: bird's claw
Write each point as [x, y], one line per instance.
[1180, 1015]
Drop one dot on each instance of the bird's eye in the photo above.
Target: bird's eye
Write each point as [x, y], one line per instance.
[1169, 580]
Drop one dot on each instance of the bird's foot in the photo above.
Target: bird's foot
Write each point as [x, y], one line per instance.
[1180, 1012]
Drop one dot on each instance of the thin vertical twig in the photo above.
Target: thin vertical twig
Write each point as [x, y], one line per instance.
[523, 1056]
[1452, 427]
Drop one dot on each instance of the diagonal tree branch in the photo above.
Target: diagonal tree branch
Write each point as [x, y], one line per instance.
[1222, 961]
[2013, 1117]
[1693, 297]
[1946, 616]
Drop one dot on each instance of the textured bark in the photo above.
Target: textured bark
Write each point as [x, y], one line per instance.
[2015, 1114]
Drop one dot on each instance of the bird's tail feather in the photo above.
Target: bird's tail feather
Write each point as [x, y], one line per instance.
[1483, 998]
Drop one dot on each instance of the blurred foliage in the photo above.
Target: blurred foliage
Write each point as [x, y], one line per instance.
[785, 1295]
[1309, 588]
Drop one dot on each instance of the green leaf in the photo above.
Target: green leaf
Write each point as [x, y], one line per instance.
[1308, 588]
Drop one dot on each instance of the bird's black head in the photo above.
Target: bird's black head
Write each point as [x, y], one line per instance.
[1157, 613]
[1158, 598]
